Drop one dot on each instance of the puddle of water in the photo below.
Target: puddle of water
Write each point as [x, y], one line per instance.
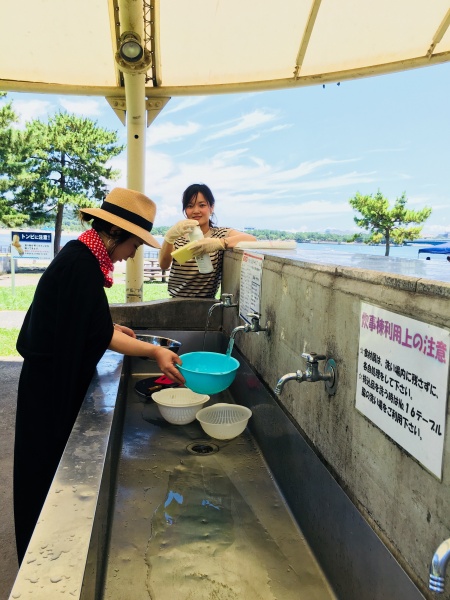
[205, 542]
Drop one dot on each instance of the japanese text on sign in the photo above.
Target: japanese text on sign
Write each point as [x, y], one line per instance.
[31, 244]
[402, 381]
[250, 294]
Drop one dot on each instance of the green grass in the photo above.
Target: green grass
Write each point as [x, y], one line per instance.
[20, 300]
[23, 296]
[8, 339]
[152, 291]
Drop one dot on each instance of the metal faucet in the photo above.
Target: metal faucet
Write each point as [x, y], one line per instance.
[225, 302]
[312, 373]
[437, 567]
[253, 326]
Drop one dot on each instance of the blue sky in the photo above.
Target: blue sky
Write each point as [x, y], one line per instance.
[291, 159]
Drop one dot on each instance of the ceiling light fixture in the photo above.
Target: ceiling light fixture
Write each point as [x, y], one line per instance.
[130, 48]
[132, 56]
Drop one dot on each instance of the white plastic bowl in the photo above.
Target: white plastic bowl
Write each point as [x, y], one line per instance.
[179, 405]
[224, 421]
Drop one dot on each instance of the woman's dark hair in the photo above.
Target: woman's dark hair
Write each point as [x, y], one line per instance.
[101, 226]
[191, 193]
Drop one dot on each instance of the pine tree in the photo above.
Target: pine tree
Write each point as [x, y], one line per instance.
[390, 224]
[10, 140]
[67, 166]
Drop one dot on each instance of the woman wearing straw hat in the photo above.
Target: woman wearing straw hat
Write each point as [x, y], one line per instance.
[65, 333]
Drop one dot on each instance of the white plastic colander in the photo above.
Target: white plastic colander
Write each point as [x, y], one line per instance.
[224, 421]
[179, 405]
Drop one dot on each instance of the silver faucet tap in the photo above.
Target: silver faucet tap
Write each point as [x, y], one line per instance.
[248, 327]
[438, 566]
[298, 376]
[226, 301]
[253, 326]
[312, 373]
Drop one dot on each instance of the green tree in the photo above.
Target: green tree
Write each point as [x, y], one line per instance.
[10, 141]
[390, 224]
[66, 168]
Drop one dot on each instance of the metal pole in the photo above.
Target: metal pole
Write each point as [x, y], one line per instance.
[13, 274]
[136, 119]
[131, 19]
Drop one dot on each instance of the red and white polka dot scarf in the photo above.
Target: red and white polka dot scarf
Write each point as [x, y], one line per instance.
[95, 244]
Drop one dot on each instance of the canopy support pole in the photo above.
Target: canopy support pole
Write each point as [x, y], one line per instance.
[136, 121]
[131, 20]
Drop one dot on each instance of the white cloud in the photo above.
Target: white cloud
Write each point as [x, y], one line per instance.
[184, 104]
[245, 123]
[283, 161]
[27, 110]
[86, 107]
[254, 193]
[169, 132]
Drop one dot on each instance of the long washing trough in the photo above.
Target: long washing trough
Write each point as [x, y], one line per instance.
[140, 508]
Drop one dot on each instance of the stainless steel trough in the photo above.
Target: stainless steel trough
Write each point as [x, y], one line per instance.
[140, 508]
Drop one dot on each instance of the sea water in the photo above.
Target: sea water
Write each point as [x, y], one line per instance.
[410, 251]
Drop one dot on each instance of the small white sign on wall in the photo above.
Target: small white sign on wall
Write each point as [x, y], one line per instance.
[251, 275]
[402, 381]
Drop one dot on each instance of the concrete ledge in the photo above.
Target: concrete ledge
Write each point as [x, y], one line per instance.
[175, 313]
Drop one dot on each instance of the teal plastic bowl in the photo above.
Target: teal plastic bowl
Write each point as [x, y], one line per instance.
[208, 372]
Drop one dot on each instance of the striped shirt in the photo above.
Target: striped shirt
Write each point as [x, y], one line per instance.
[185, 280]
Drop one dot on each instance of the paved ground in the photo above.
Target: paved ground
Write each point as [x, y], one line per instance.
[9, 377]
[11, 319]
[28, 277]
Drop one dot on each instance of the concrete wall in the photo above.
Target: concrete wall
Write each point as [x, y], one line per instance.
[315, 307]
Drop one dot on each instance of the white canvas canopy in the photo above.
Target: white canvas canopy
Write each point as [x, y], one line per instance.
[205, 46]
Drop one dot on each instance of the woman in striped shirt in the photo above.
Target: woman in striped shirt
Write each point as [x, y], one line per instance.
[185, 279]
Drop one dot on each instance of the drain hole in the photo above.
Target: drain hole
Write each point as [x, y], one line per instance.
[202, 447]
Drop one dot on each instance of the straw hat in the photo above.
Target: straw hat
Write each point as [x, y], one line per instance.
[129, 210]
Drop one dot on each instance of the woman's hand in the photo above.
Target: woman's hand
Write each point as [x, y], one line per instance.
[206, 245]
[167, 360]
[130, 346]
[180, 229]
[125, 330]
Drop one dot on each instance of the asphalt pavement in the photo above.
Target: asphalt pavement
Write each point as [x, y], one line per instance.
[9, 376]
[10, 367]
[12, 319]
